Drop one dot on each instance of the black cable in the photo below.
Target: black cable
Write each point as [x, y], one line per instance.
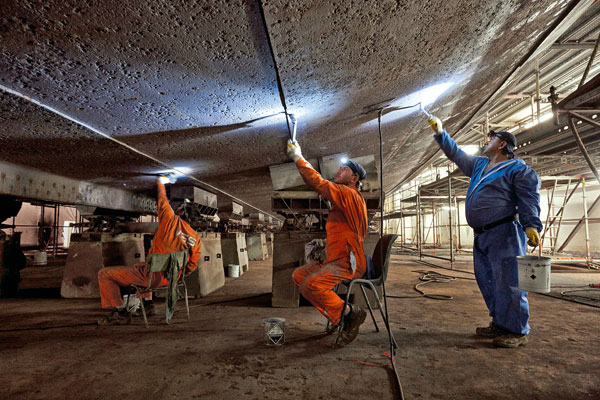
[44, 328]
[277, 76]
[387, 318]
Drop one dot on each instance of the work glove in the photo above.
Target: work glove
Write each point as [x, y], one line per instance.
[168, 178]
[532, 236]
[436, 124]
[293, 150]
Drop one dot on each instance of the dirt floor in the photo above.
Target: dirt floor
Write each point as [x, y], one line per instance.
[51, 348]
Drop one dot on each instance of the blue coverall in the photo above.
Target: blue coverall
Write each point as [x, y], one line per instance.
[509, 188]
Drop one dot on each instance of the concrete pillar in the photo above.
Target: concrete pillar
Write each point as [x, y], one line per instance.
[233, 246]
[210, 274]
[257, 246]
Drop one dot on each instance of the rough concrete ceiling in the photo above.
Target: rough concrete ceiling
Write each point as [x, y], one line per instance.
[194, 84]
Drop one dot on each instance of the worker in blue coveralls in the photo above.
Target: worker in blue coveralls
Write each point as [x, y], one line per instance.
[502, 207]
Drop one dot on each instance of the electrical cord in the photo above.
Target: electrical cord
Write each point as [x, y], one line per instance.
[435, 277]
[275, 66]
[581, 289]
[387, 318]
[431, 277]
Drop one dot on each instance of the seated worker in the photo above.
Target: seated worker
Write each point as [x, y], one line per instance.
[346, 229]
[173, 234]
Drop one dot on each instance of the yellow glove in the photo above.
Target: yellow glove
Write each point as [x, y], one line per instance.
[436, 124]
[533, 236]
[293, 151]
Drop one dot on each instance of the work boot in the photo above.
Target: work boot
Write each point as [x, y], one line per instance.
[352, 322]
[149, 307]
[490, 331]
[510, 340]
[331, 328]
[116, 317]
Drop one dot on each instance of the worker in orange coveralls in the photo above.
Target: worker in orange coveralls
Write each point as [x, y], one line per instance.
[173, 234]
[346, 229]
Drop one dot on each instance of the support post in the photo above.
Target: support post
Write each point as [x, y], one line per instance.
[586, 223]
[458, 245]
[590, 62]
[419, 223]
[537, 89]
[450, 219]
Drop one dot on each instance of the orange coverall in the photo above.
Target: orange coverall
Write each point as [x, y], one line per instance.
[173, 234]
[346, 230]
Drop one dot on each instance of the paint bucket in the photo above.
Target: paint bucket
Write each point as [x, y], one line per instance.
[274, 331]
[40, 258]
[233, 270]
[534, 273]
[134, 302]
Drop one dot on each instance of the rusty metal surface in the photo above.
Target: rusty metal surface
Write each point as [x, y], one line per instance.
[26, 183]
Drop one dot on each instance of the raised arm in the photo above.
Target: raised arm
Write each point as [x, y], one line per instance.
[331, 191]
[463, 160]
[164, 208]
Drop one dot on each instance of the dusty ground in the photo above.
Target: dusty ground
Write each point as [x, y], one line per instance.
[51, 349]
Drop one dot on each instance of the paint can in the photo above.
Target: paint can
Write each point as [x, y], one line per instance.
[534, 273]
[233, 270]
[40, 258]
[274, 331]
[134, 302]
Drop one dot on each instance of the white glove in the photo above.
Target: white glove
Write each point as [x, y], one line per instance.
[293, 150]
[436, 124]
[169, 178]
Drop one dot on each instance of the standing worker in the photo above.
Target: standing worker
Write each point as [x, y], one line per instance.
[173, 234]
[502, 207]
[346, 229]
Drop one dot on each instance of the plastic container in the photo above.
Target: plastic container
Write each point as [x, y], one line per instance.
[134, 302]
[534, 273]
[274, 331]
[40, 258]
[233, 270]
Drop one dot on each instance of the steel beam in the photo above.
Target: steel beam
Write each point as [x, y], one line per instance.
[582, 148]
[573, 46]
[589, 65]
[30, 184]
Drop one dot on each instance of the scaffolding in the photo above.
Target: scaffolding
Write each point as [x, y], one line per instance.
[558, 138]
[446, 197]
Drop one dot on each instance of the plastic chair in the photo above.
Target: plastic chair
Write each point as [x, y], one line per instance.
[173, 264]
[381, 260]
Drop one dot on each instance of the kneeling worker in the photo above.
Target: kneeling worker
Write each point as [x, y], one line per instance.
[173, 234]
[346, 229]
[503, 208]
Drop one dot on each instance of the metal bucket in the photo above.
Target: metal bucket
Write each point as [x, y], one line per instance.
[534, 273]
[274, 331]
[40, 258]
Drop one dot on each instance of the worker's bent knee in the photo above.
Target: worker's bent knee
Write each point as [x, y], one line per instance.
[102, 273]
[297, 277]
